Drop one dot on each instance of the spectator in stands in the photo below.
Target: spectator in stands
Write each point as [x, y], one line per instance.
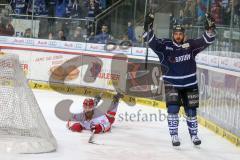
[51, 6]
[61, 36]
[77, 36]
[76, 10]
[189, 12]
[131, 33]
[201, 9]
[180, 18]
[69, 8]
[61, 8]
[73, 9]
[19, 6]
[125, 38]
[173, 21]
[103, 4]
[6, 28]
[216, 11]
[50, 36]
[190, 9]
[104, 36]
[40, 8]
[28, 33]
[227, 14]
[93, 8]
[91, 38]
[237, 12]
[90, 27]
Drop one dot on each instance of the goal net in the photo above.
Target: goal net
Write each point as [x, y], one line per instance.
[23, 128]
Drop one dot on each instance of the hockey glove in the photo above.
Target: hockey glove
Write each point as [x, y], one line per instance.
[111, 116]
[97, 128]
[148, 24]
[209, 22]
[75, 127]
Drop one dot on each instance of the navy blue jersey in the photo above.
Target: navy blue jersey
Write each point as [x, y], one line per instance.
[73, 9]
[69, 8]
[60, 10]
[40, 8]
[178, 61]
[19, 6]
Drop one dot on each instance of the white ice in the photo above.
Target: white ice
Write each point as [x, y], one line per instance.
[135, 140]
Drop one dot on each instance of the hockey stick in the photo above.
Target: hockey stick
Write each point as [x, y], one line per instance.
[146, 56]
[90, 140]
[147, 48]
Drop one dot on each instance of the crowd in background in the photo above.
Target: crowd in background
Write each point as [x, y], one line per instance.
[192, 12]
[59, 8]
[63, 29]
[54, 27]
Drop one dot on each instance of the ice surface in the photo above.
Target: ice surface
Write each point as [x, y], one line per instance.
[135, 140]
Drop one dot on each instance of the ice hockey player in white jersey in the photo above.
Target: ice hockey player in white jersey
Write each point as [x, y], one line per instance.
[93, 118]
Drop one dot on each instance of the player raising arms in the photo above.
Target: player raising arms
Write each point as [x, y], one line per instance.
[92, 118]
[177, 58]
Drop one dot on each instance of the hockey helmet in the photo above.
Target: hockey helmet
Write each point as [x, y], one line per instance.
[88, 104]
[178, 28]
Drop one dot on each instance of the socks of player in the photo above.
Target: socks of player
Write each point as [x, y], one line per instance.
[193, 129]
[173, 121]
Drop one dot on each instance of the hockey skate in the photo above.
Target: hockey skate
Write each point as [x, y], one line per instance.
[196, 141]
[175, 140]
[117, 97]
[97, 98]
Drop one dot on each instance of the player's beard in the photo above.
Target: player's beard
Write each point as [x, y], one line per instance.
[178, 40]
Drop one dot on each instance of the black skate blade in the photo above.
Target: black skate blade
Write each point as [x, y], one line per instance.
[197, 144]
[176, 144]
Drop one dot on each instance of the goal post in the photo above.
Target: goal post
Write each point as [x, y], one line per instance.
[23, 128]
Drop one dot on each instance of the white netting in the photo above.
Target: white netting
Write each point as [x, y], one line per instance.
[23, 128]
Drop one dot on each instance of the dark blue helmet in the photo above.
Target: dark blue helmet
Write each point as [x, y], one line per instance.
[178, 28]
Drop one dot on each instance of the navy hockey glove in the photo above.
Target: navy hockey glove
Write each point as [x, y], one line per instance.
[209, 22]
[149, 19]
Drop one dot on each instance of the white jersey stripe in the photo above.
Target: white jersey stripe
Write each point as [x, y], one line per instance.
[180, 77]
[207, 40]
[186, 85]
[151, 38]
[210, 35]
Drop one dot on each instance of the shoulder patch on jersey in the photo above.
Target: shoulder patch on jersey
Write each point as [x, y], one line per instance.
[186, 45]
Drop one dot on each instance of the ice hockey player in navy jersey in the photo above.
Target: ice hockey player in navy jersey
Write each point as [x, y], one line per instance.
[92, 118]
[177, 58]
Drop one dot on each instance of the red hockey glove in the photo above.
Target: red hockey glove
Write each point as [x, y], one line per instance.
[111, 117]
[75, 127]
[97, 128]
